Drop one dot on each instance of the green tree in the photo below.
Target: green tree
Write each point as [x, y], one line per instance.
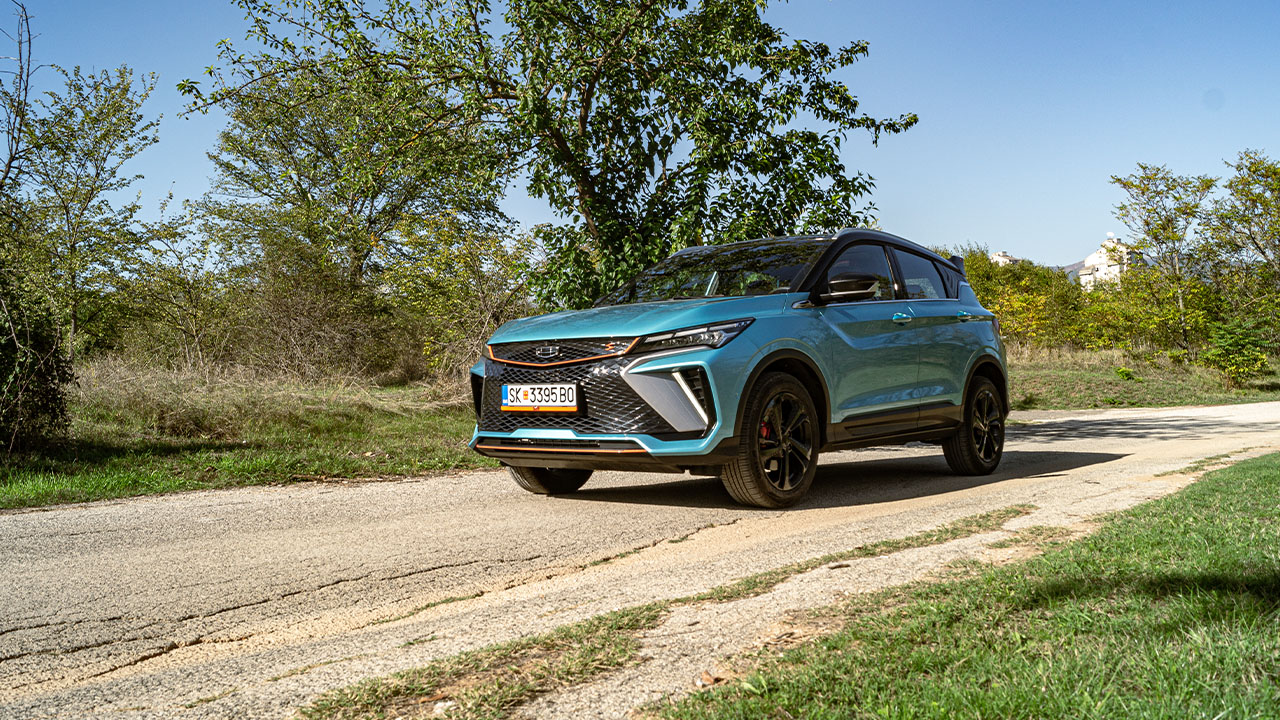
[34, 370]
[1163, 213]
[181, 293]
[76, 240]
[463, 281]
[1036, 305]
[341, 159]
[1247, 219]
[647, 126]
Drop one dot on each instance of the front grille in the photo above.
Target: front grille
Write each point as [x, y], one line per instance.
[608, 404]
[559, 352]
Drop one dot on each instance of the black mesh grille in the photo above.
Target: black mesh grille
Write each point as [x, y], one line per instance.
[608, 404]
[559, 351]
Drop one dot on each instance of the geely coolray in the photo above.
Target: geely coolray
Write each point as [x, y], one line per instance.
[745, 361]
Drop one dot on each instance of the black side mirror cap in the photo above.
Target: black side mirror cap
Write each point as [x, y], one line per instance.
[847, 287]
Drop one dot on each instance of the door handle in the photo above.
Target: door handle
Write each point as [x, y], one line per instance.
[964, 316]
[901, 318]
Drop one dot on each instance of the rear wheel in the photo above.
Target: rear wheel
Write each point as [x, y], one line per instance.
[978, 445]
[778, 449]
[549, 481]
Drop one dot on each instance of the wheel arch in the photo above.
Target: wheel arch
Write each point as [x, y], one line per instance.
[798, 365]
[990, 367]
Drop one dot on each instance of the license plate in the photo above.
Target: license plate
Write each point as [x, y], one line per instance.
[540, 398]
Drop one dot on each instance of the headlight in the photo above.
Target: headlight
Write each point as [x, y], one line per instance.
[701, 336]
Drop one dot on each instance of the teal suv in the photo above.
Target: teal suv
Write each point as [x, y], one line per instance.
[746, 361]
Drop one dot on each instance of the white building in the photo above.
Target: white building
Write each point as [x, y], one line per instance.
[1108, 262]
[1003, 258]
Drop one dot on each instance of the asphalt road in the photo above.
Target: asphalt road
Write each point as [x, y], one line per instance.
[249, 602]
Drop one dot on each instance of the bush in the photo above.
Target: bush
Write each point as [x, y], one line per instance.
[34, 370]
[1238, 349]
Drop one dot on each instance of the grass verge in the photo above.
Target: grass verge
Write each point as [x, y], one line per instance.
[1170, 610]
[488, 683]
[1042, 378]
[137, 431]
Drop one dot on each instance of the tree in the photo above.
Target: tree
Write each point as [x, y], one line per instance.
[15, 104]
[647, 126]
[34, 371]
[464, 281]
[180, 293]
[342, 159]
[1247, 219]
[76, 239]
[1163, 212]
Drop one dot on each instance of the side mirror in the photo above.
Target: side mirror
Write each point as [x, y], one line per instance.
[847, 287]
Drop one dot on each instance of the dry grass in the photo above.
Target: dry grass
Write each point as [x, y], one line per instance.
[138, 430]
[233, 402]
[1066, 378]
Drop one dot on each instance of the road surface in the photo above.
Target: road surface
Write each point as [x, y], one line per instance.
[248, 603]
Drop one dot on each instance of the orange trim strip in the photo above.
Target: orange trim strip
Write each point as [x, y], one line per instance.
[545, 449]
[515, 408]
[561, 362]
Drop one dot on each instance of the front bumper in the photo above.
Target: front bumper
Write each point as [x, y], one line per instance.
[663, 412]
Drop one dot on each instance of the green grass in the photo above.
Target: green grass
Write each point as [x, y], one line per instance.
[1074, 379]
[136, 433]
[1170, 610]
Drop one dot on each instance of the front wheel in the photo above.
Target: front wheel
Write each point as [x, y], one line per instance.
[978, 444]
[549, 481]
[778, 447]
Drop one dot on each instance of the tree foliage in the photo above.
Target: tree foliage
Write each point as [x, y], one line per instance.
[1163, 212]
[342, 159]
[76, 239]
[647, 126]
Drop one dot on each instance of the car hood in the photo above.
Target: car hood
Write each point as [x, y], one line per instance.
[637, 319]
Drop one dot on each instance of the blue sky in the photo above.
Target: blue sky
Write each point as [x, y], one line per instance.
[1026, 108]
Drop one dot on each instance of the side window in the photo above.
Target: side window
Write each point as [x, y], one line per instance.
[920, 276]
[951, 278]
[865, 260]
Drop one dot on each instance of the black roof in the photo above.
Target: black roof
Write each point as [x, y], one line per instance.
[846, 233]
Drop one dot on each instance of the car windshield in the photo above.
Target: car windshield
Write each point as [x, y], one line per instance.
[739, 269]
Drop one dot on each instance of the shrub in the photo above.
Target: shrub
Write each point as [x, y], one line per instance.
[1238, 348]
[34, 370]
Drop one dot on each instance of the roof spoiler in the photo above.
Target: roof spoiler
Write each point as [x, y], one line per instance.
[958, 262]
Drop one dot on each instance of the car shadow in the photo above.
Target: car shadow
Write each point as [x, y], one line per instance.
[844, 481]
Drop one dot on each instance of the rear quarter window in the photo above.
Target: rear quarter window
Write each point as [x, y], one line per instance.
[921, 278]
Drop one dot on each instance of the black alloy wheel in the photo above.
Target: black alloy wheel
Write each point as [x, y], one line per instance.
[978, 444]
[778, 446]
[785, 441]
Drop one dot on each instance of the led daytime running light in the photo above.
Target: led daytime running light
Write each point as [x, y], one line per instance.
[700, 336]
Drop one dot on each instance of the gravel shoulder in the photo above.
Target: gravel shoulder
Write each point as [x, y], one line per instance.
[248, 603]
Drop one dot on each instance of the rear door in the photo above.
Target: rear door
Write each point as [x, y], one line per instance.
[873, 350]
[945, 347]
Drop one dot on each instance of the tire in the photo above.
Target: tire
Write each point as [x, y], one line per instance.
[978, 444]
[549, 481]
[778, 445]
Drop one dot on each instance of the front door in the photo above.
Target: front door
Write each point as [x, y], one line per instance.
[876, 359]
